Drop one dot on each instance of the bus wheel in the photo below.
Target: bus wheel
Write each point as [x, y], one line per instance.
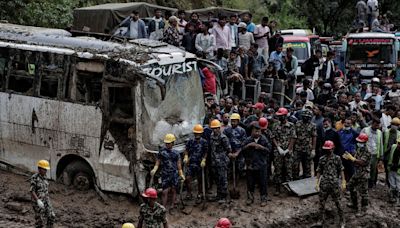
[80, 175]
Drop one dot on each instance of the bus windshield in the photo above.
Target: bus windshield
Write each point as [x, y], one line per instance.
[300, 49]
[365, 52]
[175, 110]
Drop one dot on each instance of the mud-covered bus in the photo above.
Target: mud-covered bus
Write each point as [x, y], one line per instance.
[96, 110]
[367, 50]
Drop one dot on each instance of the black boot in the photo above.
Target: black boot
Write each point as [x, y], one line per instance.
[354, 201]
[364, 205]
[277, 190]
[393, 196]
[250, 198]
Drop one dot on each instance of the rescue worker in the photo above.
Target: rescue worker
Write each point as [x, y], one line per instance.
[329, 168]
[170, 162]
[390, 137]
[375, 147]
[255, 150]
[39, 190]
[236, 135]
[220, 148]
[223, 223]
[359, 181]
[195, 159]
[263, 123]
[283, 136]
[394, 172]
[128, 225]
[304, 149]
[152, 214]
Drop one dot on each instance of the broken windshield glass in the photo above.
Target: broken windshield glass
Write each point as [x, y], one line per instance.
[181, 108]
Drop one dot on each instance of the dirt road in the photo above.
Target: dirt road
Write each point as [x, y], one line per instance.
[85, 209]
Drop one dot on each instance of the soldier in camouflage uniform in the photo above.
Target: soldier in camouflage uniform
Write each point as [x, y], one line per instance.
[220, 148]
[304, 147]
[359, 181]
[152, 214]
[170, 162]
[283, 135]
[328, 171]
[236, 135]
[39, 190]
[195, 159]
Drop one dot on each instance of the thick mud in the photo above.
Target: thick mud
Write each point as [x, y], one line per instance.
[86, 209]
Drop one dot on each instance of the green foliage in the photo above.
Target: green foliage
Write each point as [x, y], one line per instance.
[283, 11]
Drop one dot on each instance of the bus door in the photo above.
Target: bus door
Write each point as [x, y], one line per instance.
[117, 153]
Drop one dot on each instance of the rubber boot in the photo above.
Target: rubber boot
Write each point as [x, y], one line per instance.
[341, 221]
[364, 205]
[354, 201]
[250, 198]
[277, 190]
[393, 196]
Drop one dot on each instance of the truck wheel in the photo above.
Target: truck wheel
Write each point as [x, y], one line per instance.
[80, 175]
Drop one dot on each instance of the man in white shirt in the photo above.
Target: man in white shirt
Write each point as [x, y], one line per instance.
[222, 35]
[357, 104]
[245, 38]
[372, 11]
[233, 30]
[386, 118]
[261, 36]
[306, 87]
[362, 9]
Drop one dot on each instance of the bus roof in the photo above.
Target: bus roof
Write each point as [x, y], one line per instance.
[296, 32]
[6, 27]
[371, 35]
[296, 39]
[133, 51]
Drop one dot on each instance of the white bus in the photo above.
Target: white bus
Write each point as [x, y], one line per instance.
[96, 110]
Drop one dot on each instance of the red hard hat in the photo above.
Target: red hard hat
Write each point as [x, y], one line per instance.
[281, 112]
[223, 223]
[263, 122]
[362, 138]
[150, 193]
[328, 145]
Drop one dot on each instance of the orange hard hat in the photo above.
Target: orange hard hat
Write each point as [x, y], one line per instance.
[223, 223]
[150, 193]
[215, 124]
[198, 129]
[263, 122]
[362, 138]
[328, 145]
[281, 112]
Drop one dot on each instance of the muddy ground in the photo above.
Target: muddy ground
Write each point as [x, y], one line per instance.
[86, 209]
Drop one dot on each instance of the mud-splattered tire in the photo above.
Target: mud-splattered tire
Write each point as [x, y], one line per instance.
[80, 175]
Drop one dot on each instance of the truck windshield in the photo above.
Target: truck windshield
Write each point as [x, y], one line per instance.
[370, 53]
[175, 110]
[300, 50]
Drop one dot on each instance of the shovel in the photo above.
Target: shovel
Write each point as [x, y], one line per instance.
[151, 181]
[234, 193]
[203, 185]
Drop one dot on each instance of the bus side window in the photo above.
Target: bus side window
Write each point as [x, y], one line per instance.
[22, 72]
[86, 82]
[3, 67]
[52, 74]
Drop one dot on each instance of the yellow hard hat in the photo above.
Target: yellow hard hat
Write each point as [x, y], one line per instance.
[215, 124]
[169, 138]
[395, 121]
[128, 225]
[44, 164]
[198, 129]
[235, 116]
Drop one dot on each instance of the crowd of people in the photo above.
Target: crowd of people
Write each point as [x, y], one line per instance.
[368, 16]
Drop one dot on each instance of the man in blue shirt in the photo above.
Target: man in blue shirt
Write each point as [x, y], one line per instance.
[276, 58]
[348, 140]
[247, 19]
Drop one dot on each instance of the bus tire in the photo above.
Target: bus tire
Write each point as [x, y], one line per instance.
[80, 175]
